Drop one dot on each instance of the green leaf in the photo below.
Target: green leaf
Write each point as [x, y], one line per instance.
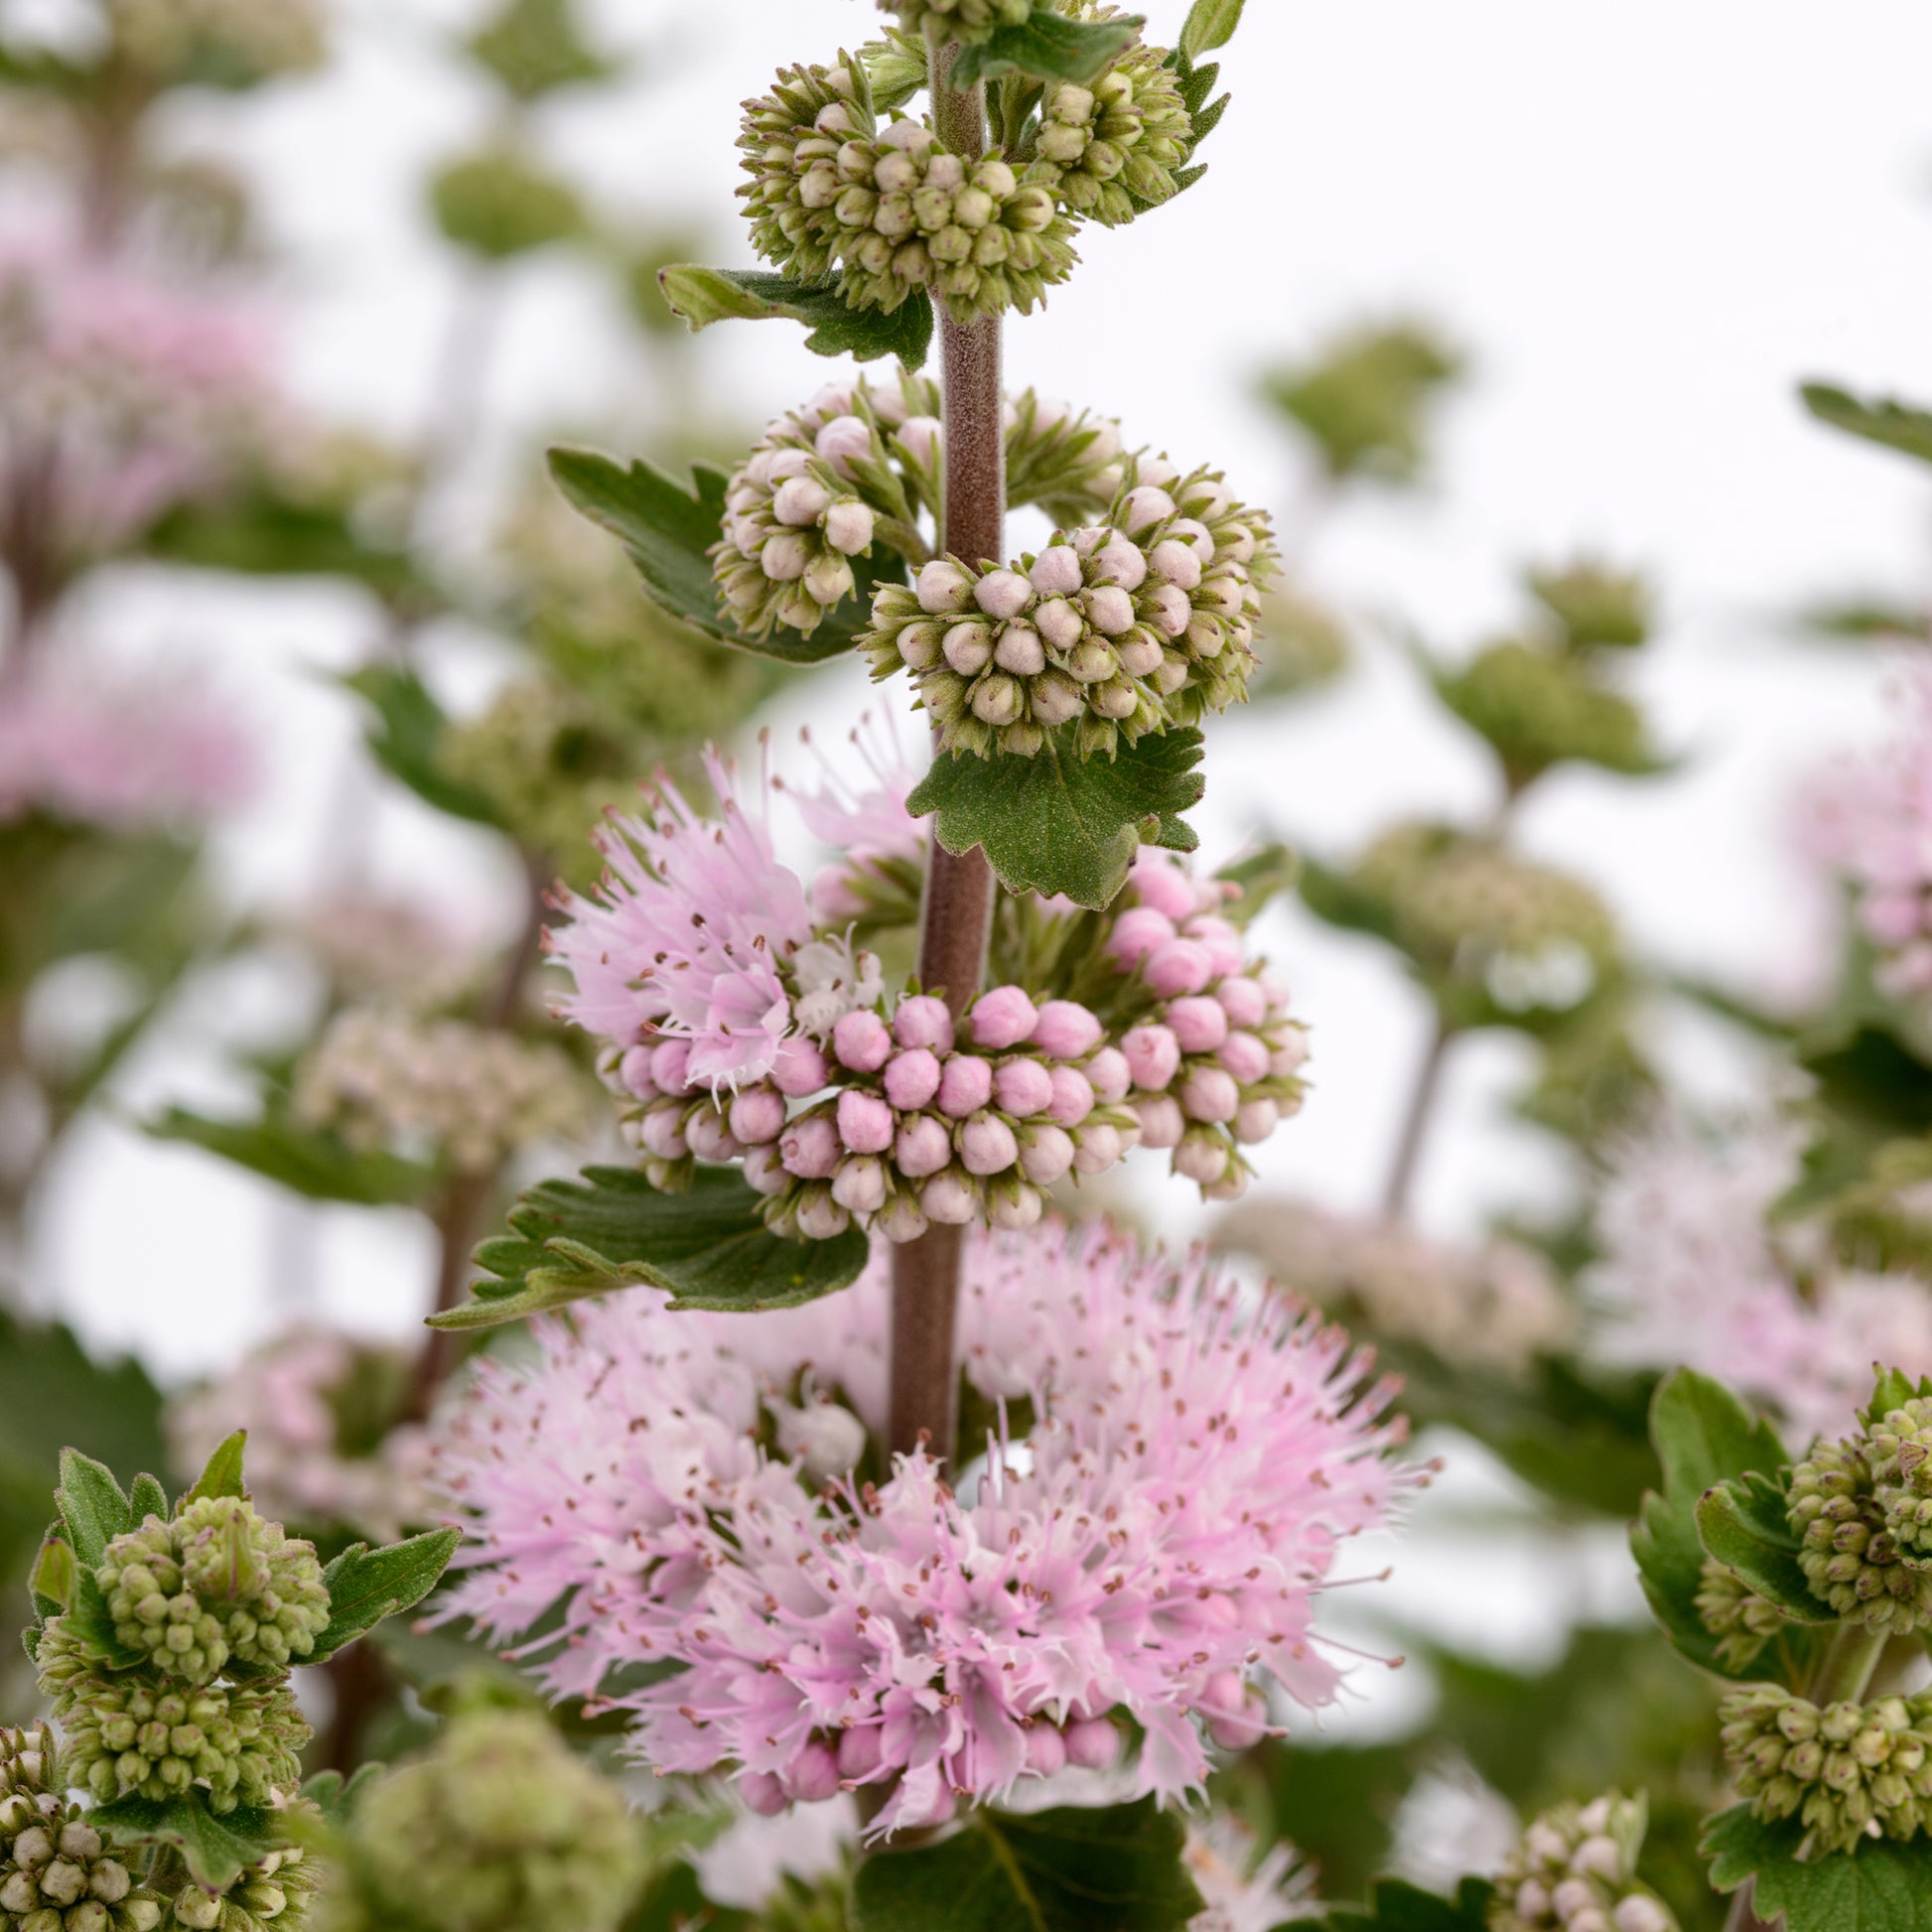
[147, 1498]
[1048, 47]
[1895, 425]
[406, 740]
[1210, 23]
[1069, 1869]
[1894, 1388]
[611, 1230]
[1263, 876]
[51, 1392]
[1398, 1906]
[702, 296]
[1745, 1525]
[92, 1506]
[1057, 823]
[222, 1475]
[533, 48]
[365, 1586]
[217, 1848]
[316, 1165]
[54, 1577]
[256, 531]
[1886, 1885]
[336, 1796]
[1704, 1436]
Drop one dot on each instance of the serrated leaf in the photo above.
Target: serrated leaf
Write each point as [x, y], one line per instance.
[316, 1165]
[1745, 1524]
[1886, 1885]
[223, 1475]
[1070, 1870]
[1395, 1905]
[147, 1498]
[406, 739]
[217, 1848]
[1894, 425]
[1703, 1435]
[1893, 1390]
[1055, 823]
[336, 1796]
[611, 1230]
[1048, 47]
[702, 296]
[1209, 24]
[92, 1506]
[365, 1586]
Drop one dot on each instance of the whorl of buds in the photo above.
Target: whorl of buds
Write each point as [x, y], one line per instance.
[1111, 151]
[959, 20]
[215, 1582]
[1898, 1446]
[276, 1890]
[785, 136]
[1846, 1550]
[1849, 1771]
[1742, 1621]
[56, 1873]
[1575, 1870]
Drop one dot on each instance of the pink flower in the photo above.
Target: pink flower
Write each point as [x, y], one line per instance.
[867, 824]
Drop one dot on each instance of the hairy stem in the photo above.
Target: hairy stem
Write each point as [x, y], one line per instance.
[958, 908]
[1415, 1122]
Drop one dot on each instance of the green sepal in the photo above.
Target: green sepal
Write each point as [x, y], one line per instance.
[146, 1498]
[54, 1578]
[365, 1586]
[1057, 823]
[1895, 1389]
[611, 1229]
[1070, 1870]
[405, 739]
[702, 296]
[216, 1850]
[315, 1165]
[1893, 425]
[1196, 85]
[1886, 1885]
[92, 1506]
[1048, 47]
[222, 1475]
[1745, 1523]
[1395, 1905]
[1209, 24]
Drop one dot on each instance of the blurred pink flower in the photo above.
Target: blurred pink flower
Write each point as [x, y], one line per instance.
[867, 824]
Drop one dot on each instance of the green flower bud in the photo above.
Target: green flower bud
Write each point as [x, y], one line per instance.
[501, 204]
[1735, 1614]
[277, 1893]
[1849, 1771]
[959, 20]
[1847, 1552]
[1597, 608]
[1899, 1448]
[1576, 1866]
[1539, 709]
[1112, 151]
[501, 1828]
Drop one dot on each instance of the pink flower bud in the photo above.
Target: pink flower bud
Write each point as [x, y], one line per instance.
[920, 436]
[1222, 940]
[1119, 561]
[943, 586]
[813, 1775]
[1093, 1743]
[1141, 654]
[1209, 1093]
[1002, 1018]
[861, 1752]
[921, 1147]
[967, 647]
[709, 1138]
[864, 1121]
[1256, 1119]
[841, 439]
[1890, 918]
[1046, 1751]
[1159, 881]
[862, 1041]
[633, 1073]
[1236, 1716]
[1138, 931]
[1180, 966]
[1202, 1155]
[668, 1065]
[1110, 1077]
[901, 1219]
[762, 1793]
[986, 1145]
[1046, 1153]
[1110, 610]
[1021, 1088]
[810, 1148]
[1144, 505]
[1167, 608]
[764, 1169]
[848, 526]
[1174, 563]
[1073, 1099]
[1274, 983]
[1199, 1023]
[912, 1078]
[1019, 650]
[1290, 1053]
[1012, 1206]
[783, 556]
[801, 1069]
[950, 1199]
[1065, 1029]
[820, 1217]
[1162, 1121]
[1098, 1148]
[1245, 1004]
[860, 1184]
[1152, 1056]
[757, 1115]
[1245, 1055]
[1003, 592]
[922, 1020]
[662, 1132]
[1059, 623]
[965, 1085]
[801, 500]
[1057, 571]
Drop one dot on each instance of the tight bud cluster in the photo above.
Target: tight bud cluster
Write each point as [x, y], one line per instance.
[275, 1890]
[1575, 1870]
[56, 1874]
[959, 20]
[1847, 1552]
[1116, 630]
[1899, 1448]
[1742, 1621]
[213, 1582]
[1849, 1771]
[1112, 149]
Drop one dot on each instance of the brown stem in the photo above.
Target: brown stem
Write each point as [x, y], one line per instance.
[361, 1683]
[1415, 1123]
[958, 908]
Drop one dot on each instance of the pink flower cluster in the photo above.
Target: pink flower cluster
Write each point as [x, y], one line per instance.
[740, 1030]
[1158, 1541]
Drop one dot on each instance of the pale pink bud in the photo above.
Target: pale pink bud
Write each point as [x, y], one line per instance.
[1290, 1053]
[986, 1145]
[1236, 1716]
[1141, 654]
[813, 1775]
[757, 1115]
[1598, 1855]
[1572, 1899]
[1222, 940]
[1119, 561]
[1136, 932]
[1073, 1098]
[921, 1147]
[662, 1132]
[1640, 1915]
[1245, 1004]
[1011, 1204]
[1180, 966]
[1157, 881]
[1152, 1056]
[901, 1220]
[1202, 1155]
[1057, 571]
[828, 578]
[942, 586]
[1059, 623]
[841, 439]
[1174, 563]
[668, 1065]
[1162, 1121]
[1023, 1087]
[783, 557]
[866, 1121]
[1169, 610]
[1274, 983]
[1046, 1751]
[1065, 1029]
[968, 647]
[1209, 1093]
[633, 1073]
[1890, 919]
[860, 1752]
[1199, 1023]
[801, 1069]
[912, 1078]
[1146, 505]
[860, 1184]
[965, 1085]
[848, 525]
[1093, 1743]
[708, 1137]
[950, 1199]
[923, 1021]
[1019, 651]
[762, 1793]
[1110, 610]
[1097, 1149]
[820, 1217]
[1047, 1155]
[810, 1148]
[1256, 1119]
[920, 436]
[1003, 592]
[1245, 1055]
[1109, 1074]
[764, 1169]
[862, 1041]
[1002, 1018]
[801, 500]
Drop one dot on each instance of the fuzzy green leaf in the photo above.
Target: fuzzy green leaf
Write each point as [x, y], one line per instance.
[92, 1506]
[1398, 1906]
[405, 739]
[1058, 823]
[147, 1498]
[1209, 24]
[222, 1475]
[1048, 47]
[1745, 1524]
[53, 1579]
[316, 1165]
[336, 1796]
[217, 1848]
[1893, 1390]
[1894, 425]
[1882, 1886]
[365, 1586]
[1070, 1870]
[611, 1230]
[702, 296]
